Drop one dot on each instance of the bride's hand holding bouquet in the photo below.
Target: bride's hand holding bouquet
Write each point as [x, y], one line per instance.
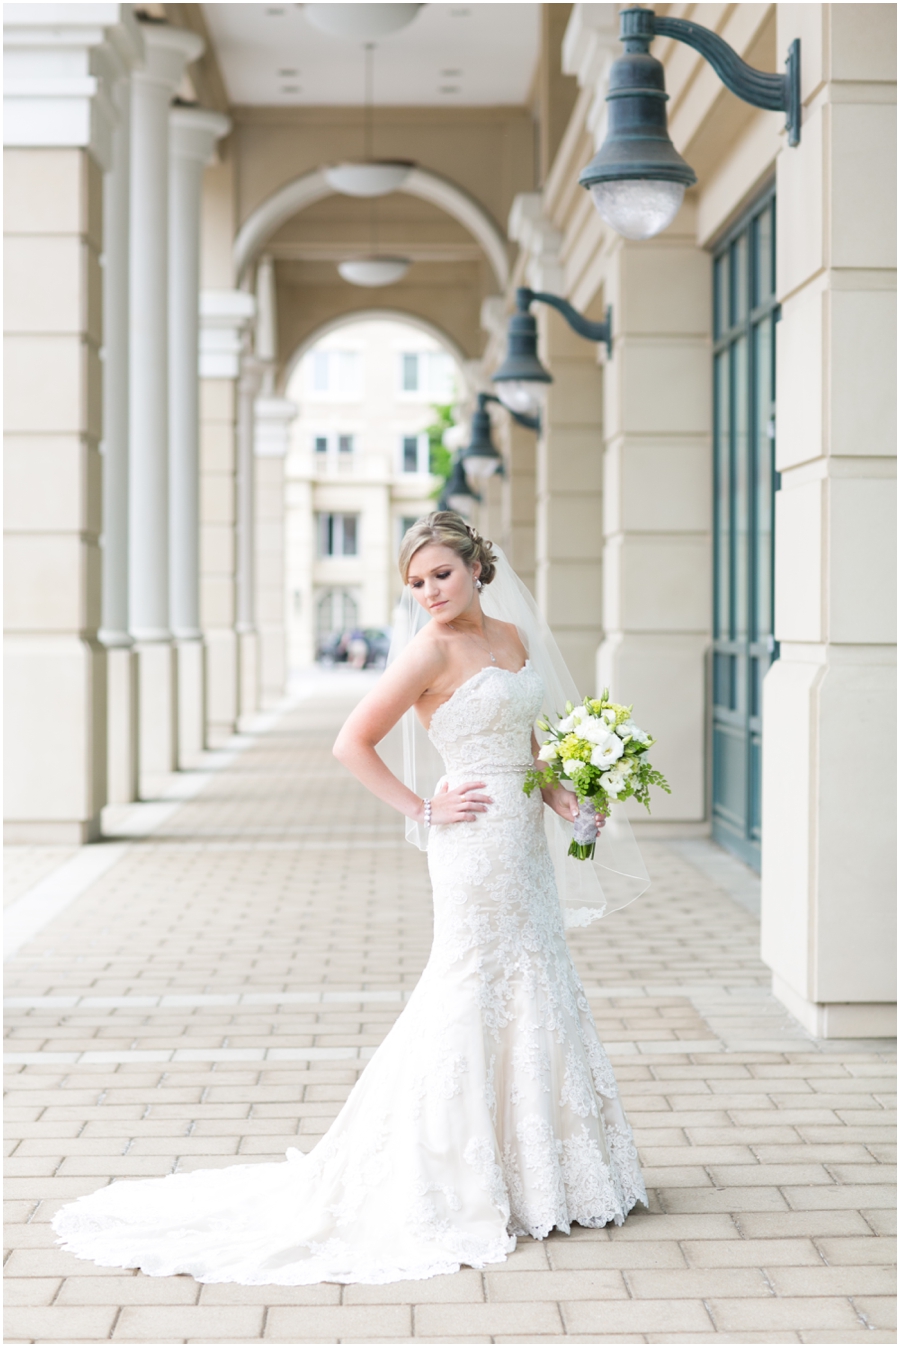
[596, 754]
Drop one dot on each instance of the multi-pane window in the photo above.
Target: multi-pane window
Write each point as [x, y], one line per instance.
[336, 610]
[429, 373]
[410, 453]
[320, 444]
[345, 444]
[743, 535]
[338, 535]
[335, 374]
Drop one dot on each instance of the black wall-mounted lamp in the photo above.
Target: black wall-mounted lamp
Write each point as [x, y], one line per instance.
[457, 494]
[521, 380]
[637, 178]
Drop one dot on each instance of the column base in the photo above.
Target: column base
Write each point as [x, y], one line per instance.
[838, 1019]
[158, 712]
[248, 663]
[221, 679]
[122, 724]
[191, 710]
[272, 675]
[50, 833]
[55, 739]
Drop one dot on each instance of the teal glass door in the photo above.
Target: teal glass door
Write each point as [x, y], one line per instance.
[743, 532]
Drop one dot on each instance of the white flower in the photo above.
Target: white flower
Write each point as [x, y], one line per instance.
[580, 713]
[547, 752]
[605, 754]
[628, 730]
[609, 716]
[567, 725]
[594, 731]
[613, 783]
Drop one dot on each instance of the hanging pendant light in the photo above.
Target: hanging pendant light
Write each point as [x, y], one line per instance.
[373, 271]
[368, 176]
[370, 179]
[362, 22]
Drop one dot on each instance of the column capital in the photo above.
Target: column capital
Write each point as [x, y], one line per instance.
[60, 64]
[542, 241]
[272, 419]
[225, 316]
[193, 132]
[167, 51]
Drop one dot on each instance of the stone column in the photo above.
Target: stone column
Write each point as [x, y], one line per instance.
[568, 563]
[58, 124]
[657, 508]
[225, 316]
[121, 660]
[168, 50]
[520, 493]
[271, 443]
[829, 816]
[245, 626]
[568, 514]
[193, 133]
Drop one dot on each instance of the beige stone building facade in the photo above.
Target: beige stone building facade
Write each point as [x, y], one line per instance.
[357, 472]
[705, 516]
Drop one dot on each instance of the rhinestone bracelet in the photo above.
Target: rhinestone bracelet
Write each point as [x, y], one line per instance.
[427, 804]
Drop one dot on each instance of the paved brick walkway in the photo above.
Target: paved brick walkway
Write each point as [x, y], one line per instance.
[217, 991]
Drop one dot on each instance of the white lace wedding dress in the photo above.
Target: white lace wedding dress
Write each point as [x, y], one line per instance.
[489, 1111]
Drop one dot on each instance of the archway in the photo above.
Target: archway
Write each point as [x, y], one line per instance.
[304, 191]
[359, 470]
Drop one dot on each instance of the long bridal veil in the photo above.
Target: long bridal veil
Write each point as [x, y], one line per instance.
[588, 890]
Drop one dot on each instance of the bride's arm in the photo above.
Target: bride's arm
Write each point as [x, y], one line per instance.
[399, 688]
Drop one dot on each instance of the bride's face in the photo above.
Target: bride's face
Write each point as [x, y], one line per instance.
[442, 582]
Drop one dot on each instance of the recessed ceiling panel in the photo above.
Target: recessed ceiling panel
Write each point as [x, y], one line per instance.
[471, 55]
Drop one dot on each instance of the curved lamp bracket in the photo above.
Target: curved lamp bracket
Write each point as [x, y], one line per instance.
[777, 93]
[599, 332]
[523, 419]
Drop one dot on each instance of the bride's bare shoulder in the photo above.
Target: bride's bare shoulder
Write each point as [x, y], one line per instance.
[511, 637]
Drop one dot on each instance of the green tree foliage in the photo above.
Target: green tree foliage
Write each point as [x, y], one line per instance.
[440, 459]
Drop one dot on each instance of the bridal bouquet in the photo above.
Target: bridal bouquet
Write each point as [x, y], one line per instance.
[598, 752]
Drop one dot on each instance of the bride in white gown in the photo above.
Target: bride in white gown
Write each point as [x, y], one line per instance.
[490, 1110]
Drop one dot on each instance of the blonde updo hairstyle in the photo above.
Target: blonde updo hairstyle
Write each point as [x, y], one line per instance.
[448, 529]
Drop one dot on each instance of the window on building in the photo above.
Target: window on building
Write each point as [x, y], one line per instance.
[745, 482]
[430, 373]
[335, 374]
[338, 535]
[410, 379]
[345, 444]
[321, 444]
[410, 453]
[336, 610]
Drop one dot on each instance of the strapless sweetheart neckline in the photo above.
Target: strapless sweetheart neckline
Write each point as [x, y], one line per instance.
[488, 668]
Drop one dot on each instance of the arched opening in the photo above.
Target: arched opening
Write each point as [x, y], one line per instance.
[372, 392]
[268, 217]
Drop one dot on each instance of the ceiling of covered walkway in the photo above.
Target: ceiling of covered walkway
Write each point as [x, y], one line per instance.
[454, 92]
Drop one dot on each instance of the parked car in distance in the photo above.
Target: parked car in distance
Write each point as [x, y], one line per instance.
[335, 648]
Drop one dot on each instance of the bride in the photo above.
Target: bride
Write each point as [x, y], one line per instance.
[490, 1110]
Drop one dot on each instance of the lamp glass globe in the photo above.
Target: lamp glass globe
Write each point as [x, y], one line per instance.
[638, 208]
[526, 396]
[481, 467]
[461, 504]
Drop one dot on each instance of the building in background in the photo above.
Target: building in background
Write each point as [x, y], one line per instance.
[705, 518]
[357, 473]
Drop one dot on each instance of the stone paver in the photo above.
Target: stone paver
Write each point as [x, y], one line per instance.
[216, 993]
